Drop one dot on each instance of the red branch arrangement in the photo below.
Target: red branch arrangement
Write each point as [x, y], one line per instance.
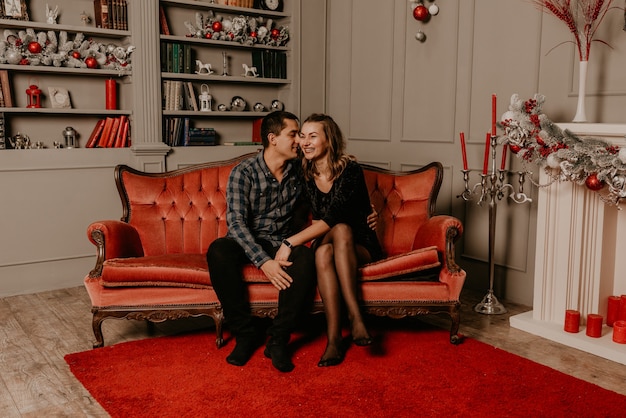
[582, 17]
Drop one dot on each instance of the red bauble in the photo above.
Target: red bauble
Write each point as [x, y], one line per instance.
[253, 34]
[217, 26]
[34, 47]
[515, 148]
[76, 54]
[91, 62]
[208, 35]
[275, 33]
[593, 183]
[421, 13]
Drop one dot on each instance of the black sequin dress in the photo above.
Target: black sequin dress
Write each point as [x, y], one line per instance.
[346, 202]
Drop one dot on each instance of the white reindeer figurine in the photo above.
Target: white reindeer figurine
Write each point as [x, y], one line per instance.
[203, 68]
[249, 70]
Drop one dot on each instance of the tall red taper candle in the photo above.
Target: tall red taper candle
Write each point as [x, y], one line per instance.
[493, 114]
[464, 151]
[487, 149]
[505, 149]
[612, 313]
[111, 94]
[594, 325]
[572, 321]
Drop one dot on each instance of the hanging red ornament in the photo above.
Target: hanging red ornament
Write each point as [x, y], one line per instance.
[217, 26]
[91, 62]
[421, 13]
[593, 183]
[34, 47]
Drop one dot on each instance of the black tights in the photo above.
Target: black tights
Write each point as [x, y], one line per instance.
[337, 259]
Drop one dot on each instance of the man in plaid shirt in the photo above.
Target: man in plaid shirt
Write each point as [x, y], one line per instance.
[263, 194]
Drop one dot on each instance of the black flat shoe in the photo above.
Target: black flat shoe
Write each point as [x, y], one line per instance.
[363, 342]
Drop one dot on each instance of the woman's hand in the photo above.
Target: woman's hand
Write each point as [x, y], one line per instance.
[372, 219]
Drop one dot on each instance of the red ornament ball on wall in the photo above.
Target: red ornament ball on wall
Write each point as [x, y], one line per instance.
[34, 47]
[421, 13]
[217, 26]
[593, 183]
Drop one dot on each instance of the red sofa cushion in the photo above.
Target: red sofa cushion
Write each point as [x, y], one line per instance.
[173, 270]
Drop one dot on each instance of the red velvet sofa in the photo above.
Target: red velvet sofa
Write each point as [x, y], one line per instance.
[151, 264]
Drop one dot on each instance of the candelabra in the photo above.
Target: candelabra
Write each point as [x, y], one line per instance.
[492, 188]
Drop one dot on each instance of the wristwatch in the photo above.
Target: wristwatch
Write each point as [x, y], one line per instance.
[287, 243]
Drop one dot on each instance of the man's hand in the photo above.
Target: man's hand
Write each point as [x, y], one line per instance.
[283, 253]
[372, 219]
[275, 271]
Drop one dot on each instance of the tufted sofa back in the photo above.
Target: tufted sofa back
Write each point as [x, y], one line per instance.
[183, 211]
[404, 200]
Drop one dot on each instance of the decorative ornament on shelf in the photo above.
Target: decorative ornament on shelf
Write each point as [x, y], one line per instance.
[52, 14]
[205, 99]
[34, 96]
[563, 155]
[583, 18]
[423, 14]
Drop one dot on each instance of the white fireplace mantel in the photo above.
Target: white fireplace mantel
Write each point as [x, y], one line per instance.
[579, 258]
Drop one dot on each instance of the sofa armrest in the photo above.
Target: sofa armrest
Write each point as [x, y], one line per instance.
[441, 231]
[113, 239]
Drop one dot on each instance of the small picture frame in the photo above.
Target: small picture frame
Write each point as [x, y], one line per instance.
[59, 98]
[14, 9]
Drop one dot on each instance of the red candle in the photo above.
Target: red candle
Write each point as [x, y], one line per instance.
[505, 149]
[493, 114]
[572, 321]
[487, 149]
[464, 151]
[621, 314]
[111, 94]
[619, 332]
[594, 325]
[612, 314]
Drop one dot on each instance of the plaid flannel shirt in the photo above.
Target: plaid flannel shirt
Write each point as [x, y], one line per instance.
[259, 207]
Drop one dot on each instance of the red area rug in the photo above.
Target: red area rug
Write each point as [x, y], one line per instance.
[408, 372]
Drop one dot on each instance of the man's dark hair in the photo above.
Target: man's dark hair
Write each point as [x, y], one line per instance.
[274, 123]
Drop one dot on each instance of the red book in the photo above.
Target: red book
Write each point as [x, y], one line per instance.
[112, 135]
[165, 29]
[256, 130]
[95, 134]
[106, 131]
[119, 139]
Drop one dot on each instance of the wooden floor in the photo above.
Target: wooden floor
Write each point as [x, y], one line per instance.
[37, 330]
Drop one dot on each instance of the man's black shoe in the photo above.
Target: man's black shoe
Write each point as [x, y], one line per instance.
[276, 349]
[244, 348]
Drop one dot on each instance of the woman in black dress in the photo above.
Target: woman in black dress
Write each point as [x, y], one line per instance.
[340, 205]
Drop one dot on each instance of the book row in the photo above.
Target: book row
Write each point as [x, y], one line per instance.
[111, 132]
[179, 95]
[111, 14]
[178, 132]
[176, 58]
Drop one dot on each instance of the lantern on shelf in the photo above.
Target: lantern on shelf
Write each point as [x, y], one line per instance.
[70, 137]
[205, 98]
[34, 96]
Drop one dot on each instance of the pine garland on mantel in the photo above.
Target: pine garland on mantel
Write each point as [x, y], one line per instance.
[563, 155]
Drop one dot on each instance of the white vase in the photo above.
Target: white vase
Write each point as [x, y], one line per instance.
[582, 87]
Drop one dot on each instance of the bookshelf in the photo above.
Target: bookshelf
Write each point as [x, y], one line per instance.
[224, 55]
[61, 65]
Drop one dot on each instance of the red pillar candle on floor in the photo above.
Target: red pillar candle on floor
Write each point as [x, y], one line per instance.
[572, 320]
[621, 314]
[493, 114]
[612, 313]
[464, 151]
[594, 325]
[487, 149]
[619, 332]
[111, 94]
